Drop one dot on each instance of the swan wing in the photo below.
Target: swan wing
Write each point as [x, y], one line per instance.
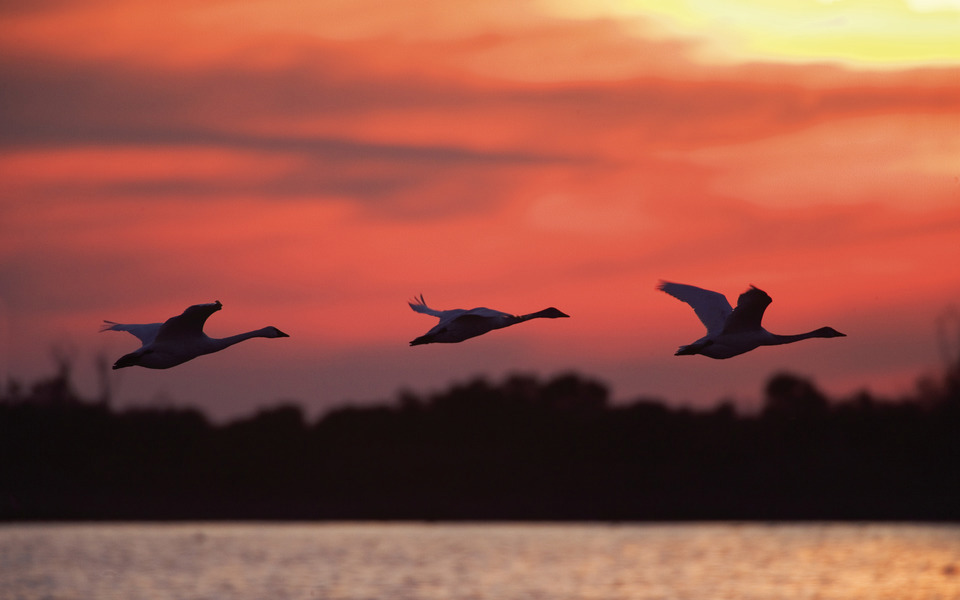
[420, 306]
[448, 316]
[712, 308]
[145, 332]
[486, 313]
[471, 324]
[188, 324]
[749, 311]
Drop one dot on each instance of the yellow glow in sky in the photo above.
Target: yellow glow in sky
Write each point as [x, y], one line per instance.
[870, 32]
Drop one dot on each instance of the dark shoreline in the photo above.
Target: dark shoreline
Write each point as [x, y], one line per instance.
[522, 450]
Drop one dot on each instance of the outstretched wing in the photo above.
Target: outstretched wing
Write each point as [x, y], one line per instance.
[145, 332]
[420, 306]
[457, 317]
[488, 313]
[448, 316]
[188, 324]
[712, 308]
[749, 311]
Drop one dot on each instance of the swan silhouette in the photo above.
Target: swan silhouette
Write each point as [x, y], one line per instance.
[458, 324]
[179, 339]
[733, 331]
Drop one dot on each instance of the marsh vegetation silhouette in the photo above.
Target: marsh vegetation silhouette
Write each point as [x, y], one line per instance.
[521, 448]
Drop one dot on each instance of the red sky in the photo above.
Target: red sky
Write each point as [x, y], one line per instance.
[315, 165]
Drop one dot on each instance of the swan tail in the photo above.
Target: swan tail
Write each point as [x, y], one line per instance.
[423, 339]
[691, 349]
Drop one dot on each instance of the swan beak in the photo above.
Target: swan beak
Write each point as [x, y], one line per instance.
[282, 334]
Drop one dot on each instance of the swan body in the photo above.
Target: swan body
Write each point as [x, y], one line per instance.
[458, 324]
[179, 339]
[732, 331]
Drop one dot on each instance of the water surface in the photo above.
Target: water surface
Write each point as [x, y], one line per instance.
[412, 561]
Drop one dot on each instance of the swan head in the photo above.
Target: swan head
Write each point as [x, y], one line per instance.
[273, 332]
[828, 332]
[552, 313]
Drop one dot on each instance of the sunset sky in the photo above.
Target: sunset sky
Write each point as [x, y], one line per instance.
[314, 165]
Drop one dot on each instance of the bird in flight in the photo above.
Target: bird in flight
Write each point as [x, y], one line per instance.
[733, 331]
[458, 324]
[179, 339]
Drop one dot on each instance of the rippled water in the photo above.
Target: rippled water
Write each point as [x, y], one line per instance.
[371, 561]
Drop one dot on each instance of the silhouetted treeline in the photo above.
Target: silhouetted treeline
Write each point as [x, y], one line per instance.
[519, 449]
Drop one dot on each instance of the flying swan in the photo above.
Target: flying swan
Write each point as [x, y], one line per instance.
[458, 324]
[733, 331]
[179, 339]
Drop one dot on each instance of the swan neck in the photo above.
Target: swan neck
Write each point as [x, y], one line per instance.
[540, 314]
[222, 343]
[522, 318]
[789, 339]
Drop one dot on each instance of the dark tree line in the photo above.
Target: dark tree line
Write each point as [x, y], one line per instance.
[519, 449]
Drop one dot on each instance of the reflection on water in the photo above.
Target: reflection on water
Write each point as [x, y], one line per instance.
[370, 561]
